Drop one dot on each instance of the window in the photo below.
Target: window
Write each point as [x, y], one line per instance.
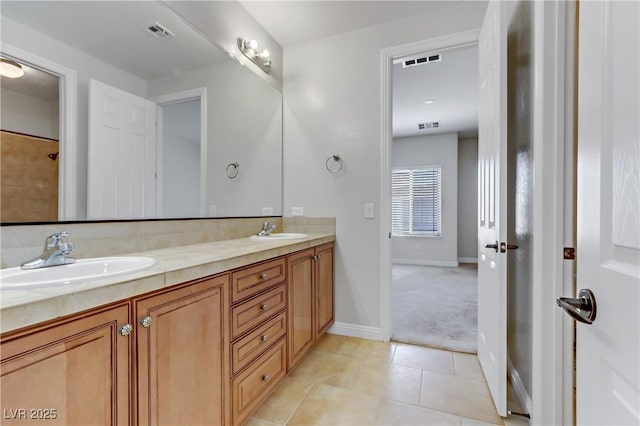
[416, 201]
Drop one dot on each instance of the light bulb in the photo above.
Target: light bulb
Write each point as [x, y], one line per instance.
[265, 54]
[251, 44]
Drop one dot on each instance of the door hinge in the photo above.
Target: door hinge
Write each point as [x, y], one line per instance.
[569, 253]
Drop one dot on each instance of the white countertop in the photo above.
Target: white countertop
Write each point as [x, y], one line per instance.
[21, 308]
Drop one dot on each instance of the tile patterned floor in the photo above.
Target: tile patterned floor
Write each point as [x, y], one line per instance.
[349, 381]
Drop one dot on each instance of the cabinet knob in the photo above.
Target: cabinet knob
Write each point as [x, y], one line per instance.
[266, 378]
[146, 322]
[126, 330]
[264, 337]
[316, 257]
[263, 276]
[263, 307]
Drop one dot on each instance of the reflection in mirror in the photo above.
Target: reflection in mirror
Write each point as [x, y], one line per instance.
[29, 146]
[210, 112]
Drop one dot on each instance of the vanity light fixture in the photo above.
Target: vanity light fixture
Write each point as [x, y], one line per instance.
[10, 69]
[259, 57]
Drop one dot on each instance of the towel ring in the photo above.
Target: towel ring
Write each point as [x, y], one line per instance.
[336, 164]
[232, 170]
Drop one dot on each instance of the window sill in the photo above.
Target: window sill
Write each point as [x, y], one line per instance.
[434, 237]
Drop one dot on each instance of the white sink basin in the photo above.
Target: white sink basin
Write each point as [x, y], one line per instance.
[82, 271]
[280, 236]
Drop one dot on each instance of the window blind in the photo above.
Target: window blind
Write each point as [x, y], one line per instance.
[416, 201]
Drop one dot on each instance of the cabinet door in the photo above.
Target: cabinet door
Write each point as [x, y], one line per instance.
[324, 288]
[183, 355]
[74, 372]
[300, 271]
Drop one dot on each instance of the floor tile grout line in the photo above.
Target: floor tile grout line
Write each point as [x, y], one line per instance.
[300, 403]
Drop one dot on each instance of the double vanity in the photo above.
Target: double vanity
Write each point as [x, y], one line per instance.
[200, 337]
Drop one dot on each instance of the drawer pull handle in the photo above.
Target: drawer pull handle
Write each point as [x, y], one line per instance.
[126, 329]
[264, 337]
[263, 276]
[146, 322]
[266, 378]
[263, 307]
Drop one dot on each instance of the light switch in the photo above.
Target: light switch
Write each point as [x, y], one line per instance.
[368, 211]
[212, 210]
[297, 211]
[267, 211]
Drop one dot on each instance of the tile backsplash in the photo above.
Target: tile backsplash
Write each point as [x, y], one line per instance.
[23, 242]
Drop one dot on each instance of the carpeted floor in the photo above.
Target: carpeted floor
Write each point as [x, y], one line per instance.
[436, 306]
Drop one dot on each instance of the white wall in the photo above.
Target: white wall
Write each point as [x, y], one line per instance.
[332, 93]
[244, 125]
[25, 38]
[439, 150]
[468, 199]
[28, 114]
[181, 159]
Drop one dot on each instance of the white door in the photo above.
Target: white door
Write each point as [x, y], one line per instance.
[121, 171]
[608, 255]
[492, 182]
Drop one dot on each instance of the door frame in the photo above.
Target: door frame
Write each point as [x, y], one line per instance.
[186, 95]
[67, 126]
[386, 65]
[554, 211]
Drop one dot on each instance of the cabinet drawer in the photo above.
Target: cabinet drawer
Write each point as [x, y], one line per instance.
[250, 281]
[252, 312]
[253, 344]
[254, 384]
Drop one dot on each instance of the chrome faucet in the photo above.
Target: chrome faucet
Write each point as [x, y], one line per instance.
[267, 227]
[55, 253]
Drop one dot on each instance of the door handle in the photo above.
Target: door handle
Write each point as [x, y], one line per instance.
[582, 309]
[492, 246]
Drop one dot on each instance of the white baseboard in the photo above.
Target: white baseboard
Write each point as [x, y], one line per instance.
[518, 387]
[420, 262]
[468, 259]
[354, 330]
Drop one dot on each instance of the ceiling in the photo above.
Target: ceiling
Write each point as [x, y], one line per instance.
[34, 82]
[451, 83]
[115, 32]
[295, 22]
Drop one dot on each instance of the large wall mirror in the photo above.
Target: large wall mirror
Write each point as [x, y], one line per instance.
[126, 111]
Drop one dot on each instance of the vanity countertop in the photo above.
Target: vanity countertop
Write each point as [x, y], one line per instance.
[21, 308]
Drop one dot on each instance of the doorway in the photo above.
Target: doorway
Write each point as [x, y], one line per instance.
[182, 154]
[52, 119]
[434, 198]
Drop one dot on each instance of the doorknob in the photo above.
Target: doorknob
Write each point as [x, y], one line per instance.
[492, 246]
[583, 308]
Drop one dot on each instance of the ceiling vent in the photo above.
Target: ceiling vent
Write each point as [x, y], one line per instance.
[429, 125]
[420, 61]
[159, 31]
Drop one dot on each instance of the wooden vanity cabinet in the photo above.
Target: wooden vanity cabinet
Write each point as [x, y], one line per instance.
[71, 372]
[258, 333]
[300, 272]
[310, 278]
[324, 295]
[182, 355]
[206, 352]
